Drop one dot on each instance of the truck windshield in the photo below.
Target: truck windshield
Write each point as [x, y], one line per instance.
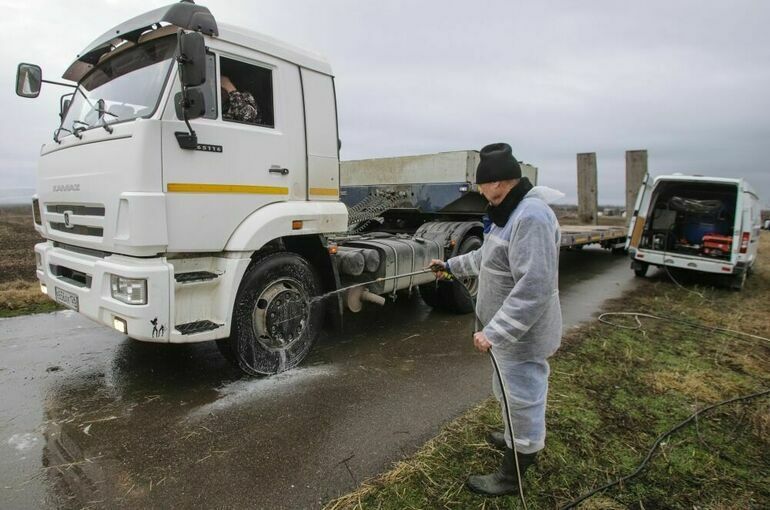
[124, 86]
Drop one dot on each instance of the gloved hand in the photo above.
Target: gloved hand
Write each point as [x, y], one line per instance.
[439, 268]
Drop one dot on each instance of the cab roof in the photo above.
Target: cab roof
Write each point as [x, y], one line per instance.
[273, 47]
[188, 16]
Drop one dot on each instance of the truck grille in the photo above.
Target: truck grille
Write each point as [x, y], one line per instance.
[78, 229]
[76, 219]
[80, 210]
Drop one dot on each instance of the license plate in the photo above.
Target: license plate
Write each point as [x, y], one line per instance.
[66, 298]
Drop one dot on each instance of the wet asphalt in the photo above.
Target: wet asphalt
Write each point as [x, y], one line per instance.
[92, 419]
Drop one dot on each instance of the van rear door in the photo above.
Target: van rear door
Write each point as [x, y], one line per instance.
[637, 219]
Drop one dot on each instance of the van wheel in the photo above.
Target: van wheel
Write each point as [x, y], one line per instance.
[737, 281]
[640, 268]
[455, 296]
[275, 321]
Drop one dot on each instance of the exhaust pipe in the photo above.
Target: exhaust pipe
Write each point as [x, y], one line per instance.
[355, 297]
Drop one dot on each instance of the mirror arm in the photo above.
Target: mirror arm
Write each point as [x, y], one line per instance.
[60, 83]
[189, 140]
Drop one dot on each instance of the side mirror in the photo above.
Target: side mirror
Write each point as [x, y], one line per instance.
[64, 104]
[192, 59]
[193, 106]
[29, 78]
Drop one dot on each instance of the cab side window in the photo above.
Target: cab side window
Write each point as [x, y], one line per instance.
[247, 93]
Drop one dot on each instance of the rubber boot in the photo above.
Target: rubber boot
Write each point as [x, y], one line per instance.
[497, 439]
[503, 481]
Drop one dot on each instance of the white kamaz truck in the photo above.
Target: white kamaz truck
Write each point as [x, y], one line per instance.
[192, 193]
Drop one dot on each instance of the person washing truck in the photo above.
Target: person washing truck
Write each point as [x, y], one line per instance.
[517, 306]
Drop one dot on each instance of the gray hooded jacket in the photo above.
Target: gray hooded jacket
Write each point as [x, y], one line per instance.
[518, 270]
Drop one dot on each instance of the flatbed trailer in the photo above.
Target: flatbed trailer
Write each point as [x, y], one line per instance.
[577, 236]
[399, 194]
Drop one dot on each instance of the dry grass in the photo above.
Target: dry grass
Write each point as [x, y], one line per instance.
[19, 288]
[20, 297]
[17, 239]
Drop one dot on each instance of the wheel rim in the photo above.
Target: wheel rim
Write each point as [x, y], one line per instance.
[281, 314]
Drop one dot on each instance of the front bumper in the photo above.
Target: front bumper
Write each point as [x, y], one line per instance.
[91, 285]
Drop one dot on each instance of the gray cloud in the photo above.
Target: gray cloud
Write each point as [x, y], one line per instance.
[686, 80]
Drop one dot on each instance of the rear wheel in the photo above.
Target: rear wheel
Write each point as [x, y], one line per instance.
[274, 320]
[640, 268]
[738, 280]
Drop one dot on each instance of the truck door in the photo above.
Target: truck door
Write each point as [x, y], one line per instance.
[251, 150]
[638, 216]
[322, 141]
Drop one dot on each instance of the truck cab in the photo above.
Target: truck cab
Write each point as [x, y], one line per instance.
[151, 237]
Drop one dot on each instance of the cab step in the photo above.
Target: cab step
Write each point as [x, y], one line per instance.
[195, 276]
[191, 328]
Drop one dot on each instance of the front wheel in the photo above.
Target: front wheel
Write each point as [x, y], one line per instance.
[275, 320]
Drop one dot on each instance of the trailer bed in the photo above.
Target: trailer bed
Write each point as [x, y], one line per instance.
[581, 235]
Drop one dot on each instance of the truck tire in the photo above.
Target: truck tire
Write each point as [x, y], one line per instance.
[275, 320]
[429, 293]
[455, 296]
[640, 268]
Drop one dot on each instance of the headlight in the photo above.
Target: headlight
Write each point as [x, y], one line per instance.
[132, 291]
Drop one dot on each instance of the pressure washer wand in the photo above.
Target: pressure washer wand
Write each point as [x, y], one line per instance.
[378, 280]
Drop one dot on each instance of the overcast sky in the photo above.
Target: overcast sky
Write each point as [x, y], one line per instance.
[687, 80]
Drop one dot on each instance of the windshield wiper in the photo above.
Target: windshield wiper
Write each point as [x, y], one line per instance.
[101, 111]
[60, 129]
[77, 130]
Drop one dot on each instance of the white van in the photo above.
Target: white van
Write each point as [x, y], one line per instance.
[708, 224]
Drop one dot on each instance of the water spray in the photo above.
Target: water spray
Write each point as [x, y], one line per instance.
[372, 282]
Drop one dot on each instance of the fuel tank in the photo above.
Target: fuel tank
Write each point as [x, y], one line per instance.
[398, 254]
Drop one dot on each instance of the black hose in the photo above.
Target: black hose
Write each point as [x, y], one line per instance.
[509, 419]
[657, 442]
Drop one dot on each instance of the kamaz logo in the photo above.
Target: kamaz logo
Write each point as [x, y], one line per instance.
[66, 187]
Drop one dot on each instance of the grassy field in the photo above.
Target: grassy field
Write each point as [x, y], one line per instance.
[612, 391]
[19, 288]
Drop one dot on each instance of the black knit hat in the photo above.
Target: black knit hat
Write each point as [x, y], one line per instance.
[497, 164]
